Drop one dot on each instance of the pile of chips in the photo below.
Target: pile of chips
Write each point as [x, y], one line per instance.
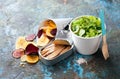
[26, 48]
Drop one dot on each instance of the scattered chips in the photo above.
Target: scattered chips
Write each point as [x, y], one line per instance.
[24, 47]
[27, 50]
[17, 53]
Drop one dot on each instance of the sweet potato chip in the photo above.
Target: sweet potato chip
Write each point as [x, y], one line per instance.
[32, 58]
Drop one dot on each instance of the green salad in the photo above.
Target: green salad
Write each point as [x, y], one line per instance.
[86, 26]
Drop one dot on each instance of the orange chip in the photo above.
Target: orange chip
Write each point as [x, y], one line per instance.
[32, 58]
[49, 23]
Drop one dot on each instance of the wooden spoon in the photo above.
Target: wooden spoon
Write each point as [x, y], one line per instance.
[104, 45]
[105, 48]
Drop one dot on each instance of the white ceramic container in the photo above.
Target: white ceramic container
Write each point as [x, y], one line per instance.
[85, 46]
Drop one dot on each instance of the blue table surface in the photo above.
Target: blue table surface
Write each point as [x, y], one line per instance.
[22, 17]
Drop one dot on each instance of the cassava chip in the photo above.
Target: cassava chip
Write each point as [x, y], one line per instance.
[21, 43]
[31, 49]
[32, 58]
[18, 53]
[30, 37]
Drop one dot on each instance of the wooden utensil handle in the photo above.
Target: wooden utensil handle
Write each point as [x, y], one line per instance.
[104, 39]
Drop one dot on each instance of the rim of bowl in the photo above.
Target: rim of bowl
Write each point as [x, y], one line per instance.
[80, 36]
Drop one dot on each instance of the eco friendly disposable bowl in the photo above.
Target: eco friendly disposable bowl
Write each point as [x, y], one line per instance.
[57, 58]
[85, 46]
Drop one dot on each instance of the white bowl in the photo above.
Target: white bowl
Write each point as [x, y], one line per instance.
[85, 46]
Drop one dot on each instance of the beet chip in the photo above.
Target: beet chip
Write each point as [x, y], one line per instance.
[18, 53]
[31, 49]
[53, 31]
[40, 32]
[30, 37]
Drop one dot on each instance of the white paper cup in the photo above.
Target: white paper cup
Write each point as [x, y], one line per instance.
[85, 46]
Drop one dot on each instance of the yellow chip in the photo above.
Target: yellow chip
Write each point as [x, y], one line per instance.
[32, 58]
[21, 43]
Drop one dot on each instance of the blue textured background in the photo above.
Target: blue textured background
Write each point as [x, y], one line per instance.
[22, 17]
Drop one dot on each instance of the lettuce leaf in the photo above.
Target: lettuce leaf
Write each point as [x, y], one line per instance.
[87, 26]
